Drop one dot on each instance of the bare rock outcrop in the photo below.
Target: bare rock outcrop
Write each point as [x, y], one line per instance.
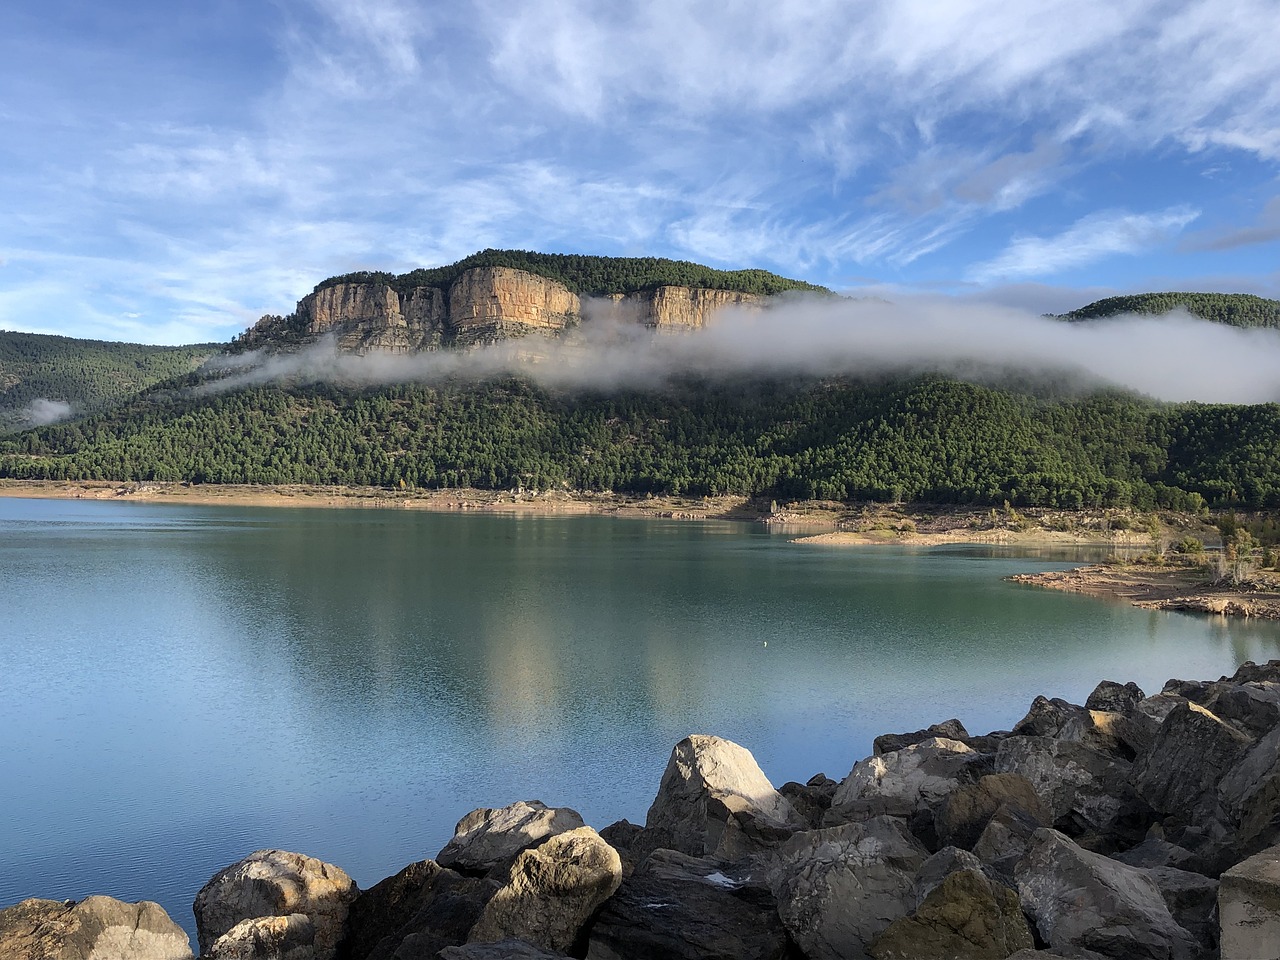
[276, 883]
[373, 316]
[488, 304]
[96, 928]
[676, 309]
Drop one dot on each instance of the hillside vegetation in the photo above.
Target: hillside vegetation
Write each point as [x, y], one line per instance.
[1235, 309]
[589, 275]
[926, 439]
[86, 375]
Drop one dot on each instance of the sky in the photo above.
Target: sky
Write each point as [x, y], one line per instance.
[169, 172]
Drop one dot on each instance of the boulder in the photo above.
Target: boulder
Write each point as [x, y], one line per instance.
[1250, 672]
[965, 812]
[1154, 852]
[1253, 708]
[486, 838]
[624, 836]
[266, 938]
[1249, 908]
[901, 783]
[96, 928]
[416, 912]
[276, 883]
[839, 887]
[1192, 899]
[1084, 901]
[551, 890]
[1111, 732]
[811, 800]
[502, 950]
[890, 742]
[1053, 718]
[1005, 841]
[967, 917]
[1152, 711]
[1249, 794]
[687, 908]
[1084, 789]
[714, 799]
[1115, 697]
[1189, 756]
[940, 866]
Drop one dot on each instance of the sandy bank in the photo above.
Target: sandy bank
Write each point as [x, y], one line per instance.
[1167, 588]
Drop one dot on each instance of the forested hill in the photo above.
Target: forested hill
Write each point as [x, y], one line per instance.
[85, 375]
[589, 275]
[924, 439]
[1236, 309]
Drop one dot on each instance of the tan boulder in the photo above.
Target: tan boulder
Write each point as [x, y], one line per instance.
[96, 928]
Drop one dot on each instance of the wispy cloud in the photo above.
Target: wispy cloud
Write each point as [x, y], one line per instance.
[1264, 229]
[1086, 241]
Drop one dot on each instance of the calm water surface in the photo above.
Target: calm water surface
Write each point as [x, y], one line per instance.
[180, 686]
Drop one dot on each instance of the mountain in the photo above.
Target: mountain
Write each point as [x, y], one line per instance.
[1235, 309]
[45, 378]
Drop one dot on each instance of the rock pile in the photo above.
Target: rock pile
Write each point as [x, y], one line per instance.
[1127, 827]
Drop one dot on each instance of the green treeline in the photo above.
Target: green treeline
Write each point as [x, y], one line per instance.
[1236, 309]
[593, 276]
[89, 375]
[927, 439]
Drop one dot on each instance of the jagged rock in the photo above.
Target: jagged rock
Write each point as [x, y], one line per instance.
[488, 837]
[1053, 718]
[1082, 900]
[966, 811]
[901, 783]
[276, 883]
[1250, 794]
[679, 907]
[1250, 672]
[967, 917]
[96, 928]
[1084, 789]
[502, 950]
[839, 887]
[1153, 710]
[890, 742]
[714, 799]
[1249, 908]
[1115, 697]
[551, 890]
[1108, 731]
[1191, 753]
[1253, 708]
[940, 866]
[266, 938]
[623, 836]
[811, 800]
[1005, 840]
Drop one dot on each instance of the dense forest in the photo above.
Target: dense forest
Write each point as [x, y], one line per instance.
[85, 375]
[1236, 309]
[588, 275]
[927, 439]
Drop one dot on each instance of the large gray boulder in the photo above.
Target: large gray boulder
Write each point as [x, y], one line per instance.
[966, 811]
[96, 928]
[551, 890]
[1191, 753]
[266, 938]
[1084, 789]
[1249, 794]
[416, 912]
[276, 883]
[890, 742]
[1122, 698]
[1084, 901]
[966, 917]
[901, 783]
[679, 907]
[838, 888]
[488, 837]
[715, 800]
[1249, 908]
[938, 867]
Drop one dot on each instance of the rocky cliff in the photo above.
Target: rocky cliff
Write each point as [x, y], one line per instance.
[483, 305]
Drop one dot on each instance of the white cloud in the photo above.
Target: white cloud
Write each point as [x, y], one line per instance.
[1086, 241]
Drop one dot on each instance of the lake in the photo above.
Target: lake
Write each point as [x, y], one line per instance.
[180, 686]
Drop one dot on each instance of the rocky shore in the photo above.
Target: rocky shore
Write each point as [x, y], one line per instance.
[1131, 826]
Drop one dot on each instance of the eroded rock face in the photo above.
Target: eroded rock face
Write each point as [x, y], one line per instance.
[96, 928]
[840, 887]
[488, 837]
[688, 908]
[715, 799]
[551, 890]
[372, 316]
[683, 308]
[1085, 901]
[966, 917]
[276, 883]
[488, 304]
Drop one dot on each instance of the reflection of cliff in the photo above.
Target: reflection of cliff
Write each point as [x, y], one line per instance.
[483, 305]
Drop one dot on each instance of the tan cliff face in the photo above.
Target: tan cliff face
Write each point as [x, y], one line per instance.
[484, 305]
[493, 303]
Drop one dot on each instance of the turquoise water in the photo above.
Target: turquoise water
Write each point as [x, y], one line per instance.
[180, 686]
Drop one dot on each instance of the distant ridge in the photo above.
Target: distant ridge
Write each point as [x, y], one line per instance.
[1234, 309]
[588, 275]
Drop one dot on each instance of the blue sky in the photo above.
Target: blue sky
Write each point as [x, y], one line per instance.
[171, 171]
